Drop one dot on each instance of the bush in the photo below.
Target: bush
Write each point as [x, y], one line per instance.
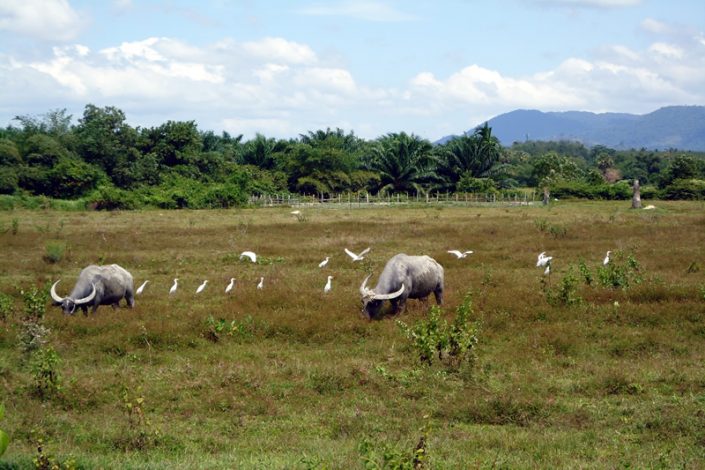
[9, 182]
[110, 198]
[621, 272]
[54, 252]
[685, 189]
[469, 184]
[47, 380]
[452, 343]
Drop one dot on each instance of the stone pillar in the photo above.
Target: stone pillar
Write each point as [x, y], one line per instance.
[546, 195]
[636, 195]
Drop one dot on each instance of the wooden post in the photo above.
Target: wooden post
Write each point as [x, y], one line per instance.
[636, 195]
[546, 195]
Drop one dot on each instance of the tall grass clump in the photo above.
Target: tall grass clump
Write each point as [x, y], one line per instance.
[54, 252]
[451, 343]
[7, 306]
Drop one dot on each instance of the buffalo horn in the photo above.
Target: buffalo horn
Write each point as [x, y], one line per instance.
[363, 287]
[54, 295]
[86, 300]
[393, 295]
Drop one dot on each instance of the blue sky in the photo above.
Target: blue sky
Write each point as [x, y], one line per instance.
[370, 66]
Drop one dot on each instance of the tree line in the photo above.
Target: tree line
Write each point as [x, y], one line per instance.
[111, 164]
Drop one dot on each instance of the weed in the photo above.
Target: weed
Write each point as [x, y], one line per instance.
[390, 457]
[566, 293]
[541, 224]
[621, 272]
[557, 231]
[35, 301]
[32, 336]
[7, 306]
[215, 329]
[54, 252]
[44, 461]
[47, 379]
[693, 267]
[4, 438]
[451, 343]
[140, 434]
[15, 226]
[585, 273]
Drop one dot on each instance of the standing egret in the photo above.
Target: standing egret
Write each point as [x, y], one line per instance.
[460, 254]
[201, 287]
[260, 286]
[329, 285]
[249, 254]
[548, 269]
[140, 289]
[606, 261]
[359, 257]
[173, 288]
[324, 262]
[231, 285]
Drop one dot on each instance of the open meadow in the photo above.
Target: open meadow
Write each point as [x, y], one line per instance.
[590, 367]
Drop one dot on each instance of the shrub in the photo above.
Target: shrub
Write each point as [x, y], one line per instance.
[621, 272]
[685, 189]
[47, 380]
[32, 336]
[452, 343]
[54, 252]
[35, 301]
[7, 306]
[567, 291]
[110, 198]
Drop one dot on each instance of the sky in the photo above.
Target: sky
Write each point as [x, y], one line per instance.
[284, 68]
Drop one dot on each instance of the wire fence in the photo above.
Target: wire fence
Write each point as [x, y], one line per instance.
[360, 200]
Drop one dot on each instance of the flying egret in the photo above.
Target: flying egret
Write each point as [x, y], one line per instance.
[460, 254]
[201, 287]
[140, 289]
[329, 285]
[173, 288]
[359, 257]
[261, 283]
[324, 262]
[606, 261]
[543, 260]
[249, 254]
[231, 285]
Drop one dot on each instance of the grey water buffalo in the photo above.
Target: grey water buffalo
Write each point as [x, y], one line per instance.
[97, 285]
[404, 277]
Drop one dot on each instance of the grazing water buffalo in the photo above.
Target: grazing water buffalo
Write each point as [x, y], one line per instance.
[97, 285]
[404, 277]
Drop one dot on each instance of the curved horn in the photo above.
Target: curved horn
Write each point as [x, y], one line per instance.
[363, 287]
[393, 295]
[85, 300]
[54, 295]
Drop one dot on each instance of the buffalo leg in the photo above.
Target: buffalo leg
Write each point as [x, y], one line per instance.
[439, 296]
[85, 310]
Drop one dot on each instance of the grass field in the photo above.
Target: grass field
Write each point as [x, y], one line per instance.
[597, 377]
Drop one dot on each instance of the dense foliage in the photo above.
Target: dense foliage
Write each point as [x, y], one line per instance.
[113, 165]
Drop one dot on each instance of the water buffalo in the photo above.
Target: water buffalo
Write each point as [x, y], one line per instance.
[97, 285]
[404, 277]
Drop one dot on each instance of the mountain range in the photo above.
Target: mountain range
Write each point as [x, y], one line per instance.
[672, 127]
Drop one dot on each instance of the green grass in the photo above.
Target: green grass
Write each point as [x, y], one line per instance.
[301, 380]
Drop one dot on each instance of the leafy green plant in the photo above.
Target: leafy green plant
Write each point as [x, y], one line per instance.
[7, 306]
[390, 457]
[32, 335]
[215, 329]
[54, 252]
[4, 438]
[15, 226]
[45, 371]
[621, 272]
[35, 301]
[452, 344]
[44, 461]
[566, 293]
[141, 434]
[585, 272]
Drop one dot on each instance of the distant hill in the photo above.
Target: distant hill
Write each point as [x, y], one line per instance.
[679, 127]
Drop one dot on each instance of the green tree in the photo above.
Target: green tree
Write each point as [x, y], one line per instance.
[263, 152]
[104, 138]
[403, 161]
[470, 156]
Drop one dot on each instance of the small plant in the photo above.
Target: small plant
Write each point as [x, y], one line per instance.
[566, 293]
[585, 273]
[45, 365]
[7, 306]
[390, 457]
[54, 252]
[45, 461]
[15, 226]
[32, 336]
[141, 434]
[35, 301]
[620, 273]
[4, 438]
[215, 329]
[452, 343]
[541, 224]
[557, 231]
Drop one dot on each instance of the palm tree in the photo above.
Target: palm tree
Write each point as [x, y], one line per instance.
[262, 152]
[404, 162]
[474, 154]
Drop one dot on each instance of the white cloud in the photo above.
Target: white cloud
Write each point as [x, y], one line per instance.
[591, 3]
[361, 10]
[51, 20]
[654, 26]
[668, 50]
[278, 49]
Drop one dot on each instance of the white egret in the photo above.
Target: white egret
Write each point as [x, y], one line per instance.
[548, 269]
[359, 257]
[460, 254]
[329, 285]
[173, 288]
[231, 285]
[296, 212]
[201, 287]
[249, 254]
[261, 283]
[324, 262]
[543, 260]
[140, 289]
[606, 261]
